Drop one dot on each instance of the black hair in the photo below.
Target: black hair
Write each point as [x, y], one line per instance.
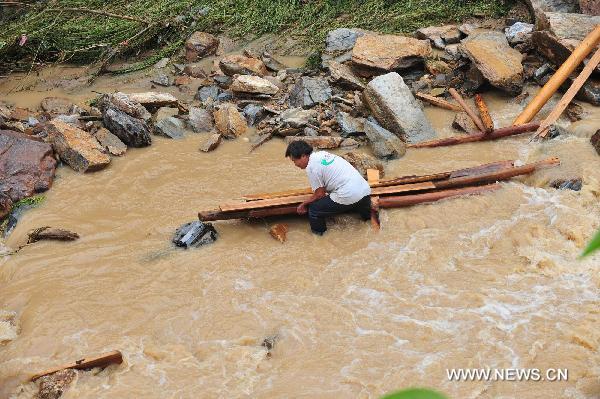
[296, 149]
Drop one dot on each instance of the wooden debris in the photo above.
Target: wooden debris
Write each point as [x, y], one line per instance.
[373, 178]
[467, 109]
[103, 360]
[568, 96]
[586, 46]
[438, 102]
[484, 113]
[478, 136]
[279, 232]
[49, 233]
[408, 200]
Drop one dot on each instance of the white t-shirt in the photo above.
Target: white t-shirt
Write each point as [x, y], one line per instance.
[343, 183]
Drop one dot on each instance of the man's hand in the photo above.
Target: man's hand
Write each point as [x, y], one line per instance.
[301, 209]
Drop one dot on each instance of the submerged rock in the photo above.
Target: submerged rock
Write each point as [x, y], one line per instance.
[393, 105]
[385, 144]
[242, 65]
[132, 131]
[76, 147]
[161, 79]
[195, 234]
[279, 232]
[307, 92]
[27, 167]
[388, 52]
[229, 122]
[200, 120]
[170, 127]
[199, 45]
[49, 233]
[499, 63]
[111, 143]
[52, 386]
[211, 143]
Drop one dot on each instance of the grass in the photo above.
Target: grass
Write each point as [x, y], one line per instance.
[57, 34]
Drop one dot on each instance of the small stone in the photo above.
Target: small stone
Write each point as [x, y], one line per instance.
[162, 63]
[170, 127]
[162, 80]
[307, 92]
[194, 70]
[225, 96]
[298, 117]
[229, 122]
[253, 85]
[341, 40]
[165, 112]
[206, 92]
[200, 120]
[253, 113]
[574, 184]
[310, 132]
[574, 112]
[194, 234]
[271, 63]
[211, 143]
[279, 232]
[223, 81]
[76, 147]
[595, 140]
[110, 142]
[122, 102]
[241, 65]
[9, 327]
[154, 100]
[199, 45]
[452, 52]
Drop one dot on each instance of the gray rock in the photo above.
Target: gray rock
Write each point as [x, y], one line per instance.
[385, 144]
[110, 142]
[165, 112]
[194, 234]
[271, 63]
[123, 103]
[574, 184]
[310, 132]
[225, 96]
[162, 80]
[171, 127]
[132, 131]
[211, 143]
[344, 76]
[519, 32]
[223, 81]
[341, 40]
[452, 52]
[562, 6]
[349, 125]
[70, 119]
[393, 105]
[307, 92]
[474, 79]
[253, 113]
[200, 120]
[206, 92]
[298, 117]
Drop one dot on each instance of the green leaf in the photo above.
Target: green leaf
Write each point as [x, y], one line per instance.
[592, 246]
[415, 393]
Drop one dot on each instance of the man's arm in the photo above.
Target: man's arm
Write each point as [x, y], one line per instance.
[316, 195]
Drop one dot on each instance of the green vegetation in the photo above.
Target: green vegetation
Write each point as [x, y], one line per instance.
[593, 245]
[30, 202]
[66, 31]
[415, 393]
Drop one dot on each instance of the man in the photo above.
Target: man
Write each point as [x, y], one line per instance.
[337, 186]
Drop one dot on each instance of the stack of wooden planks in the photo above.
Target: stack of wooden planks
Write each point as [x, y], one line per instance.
[391, 193]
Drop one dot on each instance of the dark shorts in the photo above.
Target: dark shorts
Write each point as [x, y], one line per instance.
[324, 207]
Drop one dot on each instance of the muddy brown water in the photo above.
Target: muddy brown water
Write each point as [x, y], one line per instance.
[488, 281]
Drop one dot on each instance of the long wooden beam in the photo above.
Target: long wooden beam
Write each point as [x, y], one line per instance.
[577, 56]
[496, 134]
[568, 96]
[86, 363]
[414, 199]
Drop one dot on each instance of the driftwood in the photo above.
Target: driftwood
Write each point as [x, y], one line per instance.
[438, 102]
[484, 112]
[586, 46]
[478, 136]
[568, 96]
[467, 109]
[49, 233]
[414, 199]
[103, 360]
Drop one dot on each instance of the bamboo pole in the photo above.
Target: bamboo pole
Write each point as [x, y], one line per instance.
[438, 102]
[467, 109]
[478, 136]
[484, 113]
[86, 363]
[577, 56]
[408, 200]
[568, 96]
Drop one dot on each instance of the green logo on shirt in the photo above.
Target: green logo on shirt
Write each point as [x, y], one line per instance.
[324, 162]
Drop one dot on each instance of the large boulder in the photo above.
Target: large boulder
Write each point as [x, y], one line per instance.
[308, 92]
[76, 147]
[26, 167]
[199, 45]
[385, 144]
[344, 76]
[253, 85]
[558, 34]
[242, 65]
[132, 131]
[589, 7]
[377, 53]
[499, 63]
[391, 102]
[200, 120]
[229, 122]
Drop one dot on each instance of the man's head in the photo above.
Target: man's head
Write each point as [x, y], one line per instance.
[299, 152]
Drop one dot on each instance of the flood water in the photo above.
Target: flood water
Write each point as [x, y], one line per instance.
[488, 281]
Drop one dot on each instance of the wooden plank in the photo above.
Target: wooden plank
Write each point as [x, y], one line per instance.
[496, 134]
[568, 96]
[467, 109]
[296, 199]
[438, 102]
[373, 178]
[414, 199]
[586, 46]
[484, 113]
[86, 363]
